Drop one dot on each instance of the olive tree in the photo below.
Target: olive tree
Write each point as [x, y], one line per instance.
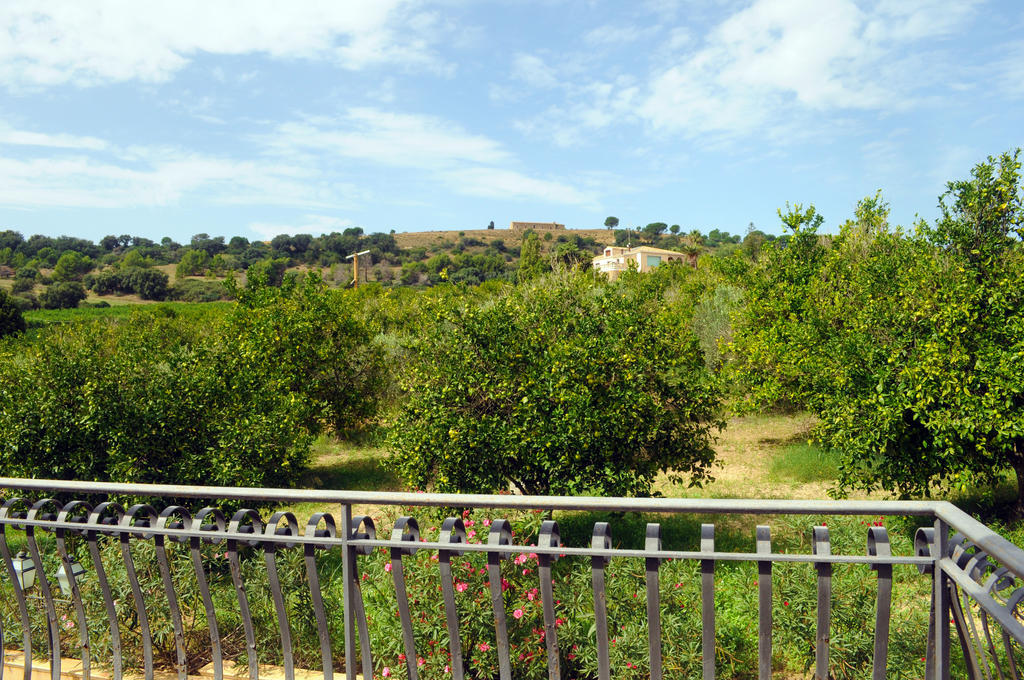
[559, 386]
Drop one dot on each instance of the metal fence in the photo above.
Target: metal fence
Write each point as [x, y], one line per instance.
[974, 573]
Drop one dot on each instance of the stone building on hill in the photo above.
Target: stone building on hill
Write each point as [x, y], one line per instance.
[536, 226]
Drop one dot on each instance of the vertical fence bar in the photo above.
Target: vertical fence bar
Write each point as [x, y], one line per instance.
[878, 546]
[270, 559]
[652, 544]
[406, 529]
[160, 542]
[200, 523]
[19, 594]
[707, 578]
[453, 531]
[347, 570]
[245, 521]
[602, 540]
[133, 578]
[549, 537]
[65, 515]
[313, 579]
[940, 594]
[359, 609]
[98, 516]
[924, 546]
[53, 629]
[822, 546]
[764, 604]
[500, 534]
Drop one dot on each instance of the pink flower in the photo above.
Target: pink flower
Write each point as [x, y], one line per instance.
[526, 572]
[401, 657]
[518, 613]
[487, 522]
[387, 567]
[483, 647]
[520, 558]
[447, 669]
[386, 672]
[465, 513]
[504, 584]
[470, 522]
[420, 661]
[559, 622]
[471, 533]
[461, 587]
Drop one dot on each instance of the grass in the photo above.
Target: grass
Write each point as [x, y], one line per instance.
[803, 463]
[38, 318]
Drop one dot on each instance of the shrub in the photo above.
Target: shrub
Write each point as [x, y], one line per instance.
[149, 284]
[191, 290]
[149, 399]
[11, 319]
[62, 295]
[560, 387]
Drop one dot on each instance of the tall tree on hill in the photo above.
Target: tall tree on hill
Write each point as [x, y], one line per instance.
[531, 264]
[611, 222]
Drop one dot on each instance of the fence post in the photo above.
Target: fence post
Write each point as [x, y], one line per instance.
[940, 596]
[347, 574]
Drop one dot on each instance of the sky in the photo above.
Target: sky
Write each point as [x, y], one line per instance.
[259, 117]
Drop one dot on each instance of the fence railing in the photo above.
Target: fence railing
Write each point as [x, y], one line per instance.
[974, 573]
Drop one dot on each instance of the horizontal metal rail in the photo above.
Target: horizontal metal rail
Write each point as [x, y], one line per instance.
[976, 574]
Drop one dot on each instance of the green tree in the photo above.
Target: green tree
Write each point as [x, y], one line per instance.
[313, 344]
[11, 319]
[559, 386]
[531, 264]
[193, 263]
[611, 222]
[72, 267]
[908, 347]
[654, 230]
[134, 258]
[154, 399]
[149, 284]
[62, 295]
[267, 272]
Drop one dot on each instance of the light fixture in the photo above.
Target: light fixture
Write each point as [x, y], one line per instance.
[62, 577]
[24, 570]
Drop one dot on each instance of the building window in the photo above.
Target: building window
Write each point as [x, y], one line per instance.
[653, 260]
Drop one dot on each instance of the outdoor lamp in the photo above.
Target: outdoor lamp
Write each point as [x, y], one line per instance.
[24, 570]
[62, 577]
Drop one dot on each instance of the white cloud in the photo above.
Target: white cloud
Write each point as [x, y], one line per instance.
[14, 137]
[614, 35]
[780, 59]
[86, 43]
[466, 163]
[154, 178]
[395, 139]
[307, 224]
[506, 184]
[532, 70]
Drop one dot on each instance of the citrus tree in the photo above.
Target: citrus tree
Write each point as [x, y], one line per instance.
[559, 386]
[908, 346]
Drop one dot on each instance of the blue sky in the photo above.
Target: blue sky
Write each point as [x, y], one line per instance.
[263, 117]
